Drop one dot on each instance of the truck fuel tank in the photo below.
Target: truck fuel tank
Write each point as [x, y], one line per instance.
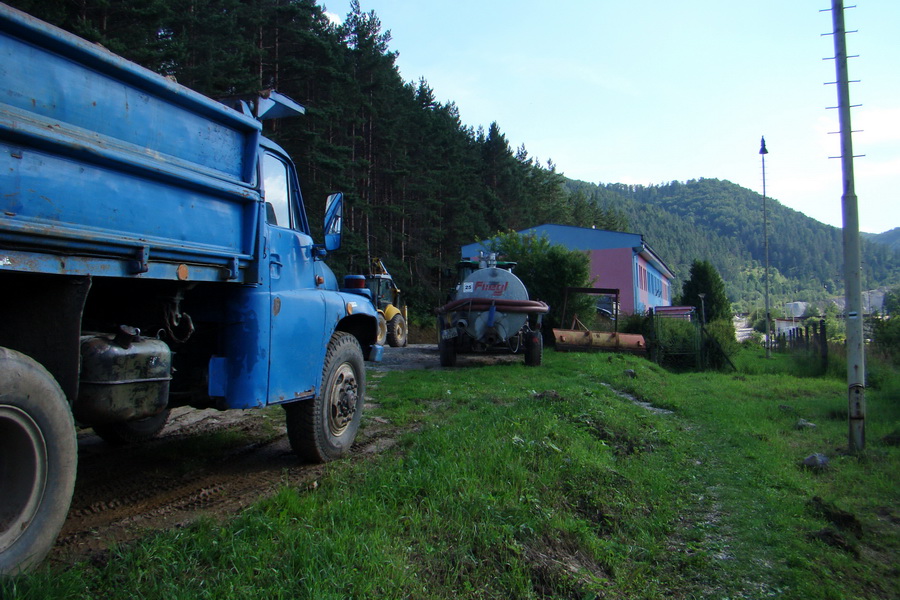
[124, 376]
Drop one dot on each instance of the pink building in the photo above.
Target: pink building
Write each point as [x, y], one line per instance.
[619, 260]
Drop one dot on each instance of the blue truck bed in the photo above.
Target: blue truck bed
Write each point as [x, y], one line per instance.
[167, 177]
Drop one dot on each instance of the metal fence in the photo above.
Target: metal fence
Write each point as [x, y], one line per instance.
[810, 338]
[675, 340]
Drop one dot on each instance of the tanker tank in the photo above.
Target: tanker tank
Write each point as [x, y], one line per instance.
[490, 311]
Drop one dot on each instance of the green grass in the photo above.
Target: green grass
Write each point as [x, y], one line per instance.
[544, 483]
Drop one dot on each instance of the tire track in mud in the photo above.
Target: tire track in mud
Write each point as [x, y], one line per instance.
[204, 462]
[213, 464]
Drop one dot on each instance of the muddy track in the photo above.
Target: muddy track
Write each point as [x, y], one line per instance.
[206, 462]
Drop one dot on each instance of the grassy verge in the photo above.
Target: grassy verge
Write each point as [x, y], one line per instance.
[551, 483]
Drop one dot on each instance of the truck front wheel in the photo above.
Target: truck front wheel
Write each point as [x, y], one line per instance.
[38, 458]
[324, 428]
[447, 350]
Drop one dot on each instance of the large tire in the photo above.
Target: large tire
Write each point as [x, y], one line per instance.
[324, 428]
[534, 348]
[38, 460]
[447, 349]
[397, 332]
[382, 330]
[132, 432]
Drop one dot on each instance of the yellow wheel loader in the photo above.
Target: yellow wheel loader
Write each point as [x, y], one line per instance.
[391, 315]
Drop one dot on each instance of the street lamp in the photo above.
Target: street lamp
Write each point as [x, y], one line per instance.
[763, 152]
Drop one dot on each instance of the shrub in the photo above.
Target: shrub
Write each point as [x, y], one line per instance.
[674, 343]
[886, 334]
[720, 344]
[547, 270]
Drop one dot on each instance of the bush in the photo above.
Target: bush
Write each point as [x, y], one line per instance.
[674, 343]
[640, 324]
[721, 343]
[886, 333]
[547, 270]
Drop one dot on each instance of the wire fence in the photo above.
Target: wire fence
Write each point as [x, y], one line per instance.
[810, 338]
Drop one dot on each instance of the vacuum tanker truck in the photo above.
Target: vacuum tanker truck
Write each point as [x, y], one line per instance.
[488, 311]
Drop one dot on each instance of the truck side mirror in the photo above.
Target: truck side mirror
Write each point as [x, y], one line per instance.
[334, 211]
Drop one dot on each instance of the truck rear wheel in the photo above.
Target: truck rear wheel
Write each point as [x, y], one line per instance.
[38, 458]
[447, 349]
[324, 428]
[397, 332]
[534, 348]
[132, 432]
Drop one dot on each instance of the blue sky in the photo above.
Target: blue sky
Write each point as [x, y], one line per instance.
[652, 91]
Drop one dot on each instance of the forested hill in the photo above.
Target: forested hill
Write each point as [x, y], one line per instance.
[722, 222]
[420, 183]
[889, 238]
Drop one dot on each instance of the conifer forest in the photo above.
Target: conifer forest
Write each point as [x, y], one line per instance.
[419, 182]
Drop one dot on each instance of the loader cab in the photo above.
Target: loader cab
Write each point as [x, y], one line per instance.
[384, 292]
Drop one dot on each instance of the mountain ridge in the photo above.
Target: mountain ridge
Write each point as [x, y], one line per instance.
[891, 237]
[720, 221]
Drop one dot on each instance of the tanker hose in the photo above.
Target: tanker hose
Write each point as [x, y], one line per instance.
[502, 305]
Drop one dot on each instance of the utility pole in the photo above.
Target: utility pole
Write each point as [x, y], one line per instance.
[762, 153]
[702, 295]
[856, 365]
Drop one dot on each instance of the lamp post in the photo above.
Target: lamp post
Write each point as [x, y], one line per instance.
[763, 152]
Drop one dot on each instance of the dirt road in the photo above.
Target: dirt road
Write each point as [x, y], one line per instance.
[208, 462]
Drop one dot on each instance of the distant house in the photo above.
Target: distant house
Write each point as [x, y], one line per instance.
[872, 302]
[795, 309]
[785, 325]
[619, 260]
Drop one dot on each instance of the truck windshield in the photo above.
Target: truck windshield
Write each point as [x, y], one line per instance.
[275, 182]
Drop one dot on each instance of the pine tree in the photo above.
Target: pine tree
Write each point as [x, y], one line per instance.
[704, 279]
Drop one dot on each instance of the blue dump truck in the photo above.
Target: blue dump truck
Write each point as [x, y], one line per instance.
[154, 253]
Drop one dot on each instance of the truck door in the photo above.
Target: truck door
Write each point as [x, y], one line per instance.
[298, 336]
